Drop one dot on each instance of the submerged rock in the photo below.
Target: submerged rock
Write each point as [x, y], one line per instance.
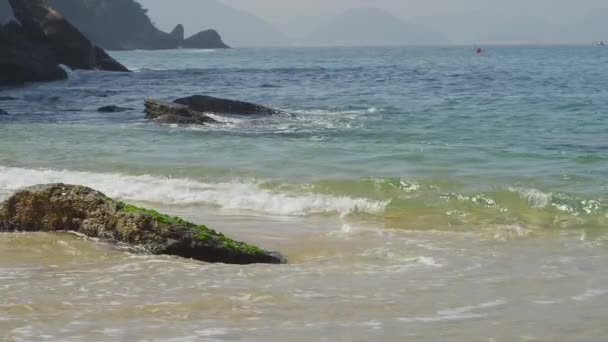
[33, 49]
[2, 112]
[174, 113]
[61, 207]
[7, 98]
[113, 109]
[209, 104]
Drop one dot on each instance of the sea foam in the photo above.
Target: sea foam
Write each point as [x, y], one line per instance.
[232, 196]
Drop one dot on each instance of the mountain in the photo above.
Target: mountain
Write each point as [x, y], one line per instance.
[238, 28]
[122, 25]
[486, 27]
[371, 27]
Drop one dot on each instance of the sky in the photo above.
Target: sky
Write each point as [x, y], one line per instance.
[296, 18]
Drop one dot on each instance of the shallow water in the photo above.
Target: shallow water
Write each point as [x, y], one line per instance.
[419, 194]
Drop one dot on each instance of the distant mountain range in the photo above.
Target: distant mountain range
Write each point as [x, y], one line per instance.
[374, 26]
[371, 27]
[488, 27]
[131, 26]
[238, 28]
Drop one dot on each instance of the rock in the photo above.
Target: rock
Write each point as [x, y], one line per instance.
[178, 33]
[107, 63]
[2, 112]
[23, 60]
[33, 50]
[208, 39]
[173, 113]
[118, 24]
[60, 207]
[7, 98]
[113, 109]
[209, 104]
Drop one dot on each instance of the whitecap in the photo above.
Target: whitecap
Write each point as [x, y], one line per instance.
[72, 75]
[589, 294]
[233, 196]
[536, 198]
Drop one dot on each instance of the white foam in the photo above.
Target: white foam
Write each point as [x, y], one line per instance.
[226, 120]
[536, 198]
[589, 294]
[455, 314]
[72, 75]
[236, 195]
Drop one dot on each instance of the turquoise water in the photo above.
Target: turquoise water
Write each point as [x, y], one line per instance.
[420, 194]
[516, 135]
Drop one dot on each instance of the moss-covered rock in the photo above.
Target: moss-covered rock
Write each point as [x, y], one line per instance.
[174, 113]
[61, 207]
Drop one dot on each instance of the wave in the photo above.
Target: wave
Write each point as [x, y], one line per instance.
[72, 75]
[310, 121]
[237, 195]
[389, 202]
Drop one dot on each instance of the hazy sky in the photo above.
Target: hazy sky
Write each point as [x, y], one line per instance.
[285, 11]
[298, 17]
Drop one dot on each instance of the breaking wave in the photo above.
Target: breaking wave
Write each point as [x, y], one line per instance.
[236, 195]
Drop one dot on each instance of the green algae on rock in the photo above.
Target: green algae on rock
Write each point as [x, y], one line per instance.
[61, 207]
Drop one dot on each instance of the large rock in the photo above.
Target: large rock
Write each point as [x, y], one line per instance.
[178, 33]
[23, 60]
[209, 104]
[113, 109]
[5, 11]
[208, 39]
[32, 51]
[173, 113]
[60, 207]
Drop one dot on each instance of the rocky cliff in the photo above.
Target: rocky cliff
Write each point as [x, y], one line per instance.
[32, 50]
[121, 25]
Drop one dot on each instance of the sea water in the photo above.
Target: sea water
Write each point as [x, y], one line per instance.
[419, 194]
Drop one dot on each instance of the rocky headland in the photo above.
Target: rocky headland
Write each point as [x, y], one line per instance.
[33, 49]
[124, 25]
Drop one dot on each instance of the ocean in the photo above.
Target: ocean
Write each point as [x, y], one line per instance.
[419, 193]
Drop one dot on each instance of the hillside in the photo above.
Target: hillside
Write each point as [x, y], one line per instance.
[238, 28]
[371, 27]
[118, 24]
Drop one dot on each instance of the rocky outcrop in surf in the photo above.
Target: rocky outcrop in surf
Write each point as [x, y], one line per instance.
[32, 50]
[61, 207]
[193, 110]
[215, 105]
[174, 113]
